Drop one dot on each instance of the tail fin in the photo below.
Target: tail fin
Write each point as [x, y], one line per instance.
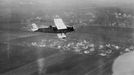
[34, 27]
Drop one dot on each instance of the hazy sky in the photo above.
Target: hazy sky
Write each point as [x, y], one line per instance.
[67, 2]
[54, 4]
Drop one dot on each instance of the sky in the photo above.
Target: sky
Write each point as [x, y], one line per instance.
[68, 2]
[25, 5]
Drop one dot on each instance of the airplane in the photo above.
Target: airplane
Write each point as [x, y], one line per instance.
[60, 28]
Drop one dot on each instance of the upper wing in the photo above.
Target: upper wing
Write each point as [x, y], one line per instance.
[59, 23]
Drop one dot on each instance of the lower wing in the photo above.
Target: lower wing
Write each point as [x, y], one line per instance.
[61, 35]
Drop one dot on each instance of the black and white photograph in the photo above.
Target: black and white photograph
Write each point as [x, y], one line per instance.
[66, 37]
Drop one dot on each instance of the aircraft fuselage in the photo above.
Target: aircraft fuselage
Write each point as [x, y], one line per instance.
[55, 30]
